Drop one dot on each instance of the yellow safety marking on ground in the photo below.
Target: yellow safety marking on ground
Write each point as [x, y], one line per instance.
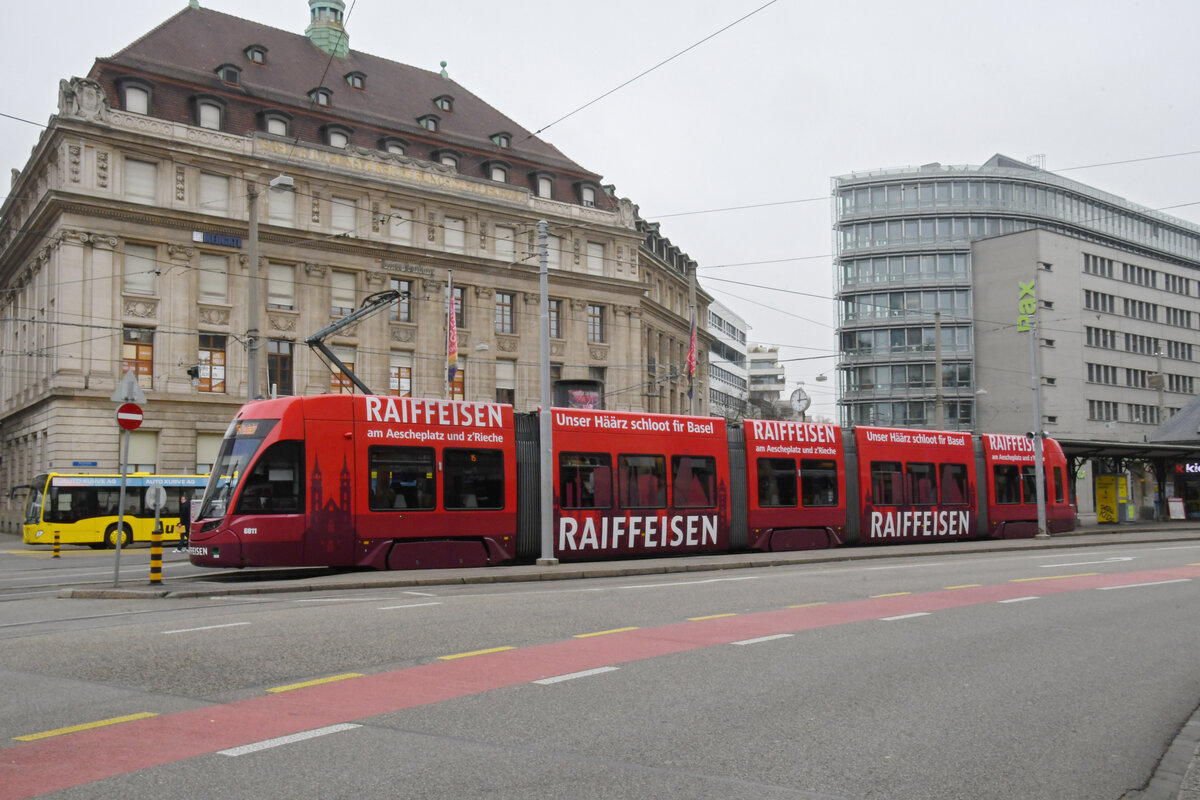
[710, 616]
[1054, 577]
[1197, 564]
[317, 682]
[33, 737]
[810, 605]
[475, 653]
[965, 586]
[893, 594]
[603, 633]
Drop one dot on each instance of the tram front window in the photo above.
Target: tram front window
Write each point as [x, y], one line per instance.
[241, 442]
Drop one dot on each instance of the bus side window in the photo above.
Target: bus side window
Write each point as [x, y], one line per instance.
[818, 482]
[954, 484]
[1008, 484]
[473, 479]
[585, 480]
[776, 482]
[887, 483]
[1029, 483]
[695, 482]
[402, 478]
[1058, 484]
[643, 481]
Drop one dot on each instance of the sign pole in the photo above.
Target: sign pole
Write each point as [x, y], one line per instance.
[121, 507]
[128, 417]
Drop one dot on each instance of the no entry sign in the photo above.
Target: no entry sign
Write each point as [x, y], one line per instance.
[129, 416]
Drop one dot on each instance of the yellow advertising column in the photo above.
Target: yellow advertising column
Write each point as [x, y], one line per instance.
[1106, 498]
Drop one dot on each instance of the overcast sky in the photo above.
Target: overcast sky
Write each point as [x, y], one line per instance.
[765, 112]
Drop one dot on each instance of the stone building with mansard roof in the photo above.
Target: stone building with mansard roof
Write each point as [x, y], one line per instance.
[124, 244]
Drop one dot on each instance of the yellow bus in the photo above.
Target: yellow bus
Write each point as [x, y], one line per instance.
[82, 509]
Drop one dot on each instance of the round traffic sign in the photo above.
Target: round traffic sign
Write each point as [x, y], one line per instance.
[129, 416]
[156, 497]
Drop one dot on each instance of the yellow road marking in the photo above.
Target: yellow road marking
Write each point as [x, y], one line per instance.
[810, 605]
[965, 586]
[603, 633]
[33, 737]
[1054, 577]
[475, 653]
[893, 594]
[710, 616]
[316, 682]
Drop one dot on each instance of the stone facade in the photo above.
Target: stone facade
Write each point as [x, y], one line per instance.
[125, 244]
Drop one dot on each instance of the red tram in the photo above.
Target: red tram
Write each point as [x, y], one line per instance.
[401, 483]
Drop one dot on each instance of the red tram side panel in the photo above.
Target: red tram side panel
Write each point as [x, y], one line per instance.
[915, 485]
[1012, 486]
[796, 485]
[342, 480]
[628, 483]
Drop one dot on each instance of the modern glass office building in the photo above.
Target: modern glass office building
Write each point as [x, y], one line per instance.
[904, 274]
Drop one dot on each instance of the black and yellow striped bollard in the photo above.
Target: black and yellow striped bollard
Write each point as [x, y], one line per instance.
[56, 546]
[156, 555]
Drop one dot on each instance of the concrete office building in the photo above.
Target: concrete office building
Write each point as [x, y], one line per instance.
[937, 251]
[729, 376]
[940, 253]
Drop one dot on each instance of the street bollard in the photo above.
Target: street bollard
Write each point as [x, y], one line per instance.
[56, 547]
[156, 555]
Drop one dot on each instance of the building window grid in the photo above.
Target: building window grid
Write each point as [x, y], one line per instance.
[137, 355]
[402, 309]
[211, 358]
[279, 367]
[595, 323]
[1068, 207]
[460, 307]
[1103, 410]
[555, 308]
[1072, 207]
[505, 312]
[1102, 373]
[400, 380]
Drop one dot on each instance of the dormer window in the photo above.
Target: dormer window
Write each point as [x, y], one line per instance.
[209, 113]
[587, 195]
[337, 135]
[230, 74]
[135, 97]
[430, 122]
[543, 184]
[256, 53]
[357, 80]
[449, 158]
[445, 103]
[497, 171]
[277, 123]
[321, 96]
[502, 140]
[390, 144]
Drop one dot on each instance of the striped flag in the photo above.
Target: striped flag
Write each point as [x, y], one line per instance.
[691, 361]
[451, 336]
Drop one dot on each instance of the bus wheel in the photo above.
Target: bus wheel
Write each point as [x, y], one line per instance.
[110, 536]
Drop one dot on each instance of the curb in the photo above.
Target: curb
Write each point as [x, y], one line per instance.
[1177, 776]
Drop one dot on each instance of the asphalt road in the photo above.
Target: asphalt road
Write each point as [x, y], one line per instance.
[1058, 673]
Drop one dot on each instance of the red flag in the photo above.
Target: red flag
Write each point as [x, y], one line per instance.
[451, 337]
[691, 361]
